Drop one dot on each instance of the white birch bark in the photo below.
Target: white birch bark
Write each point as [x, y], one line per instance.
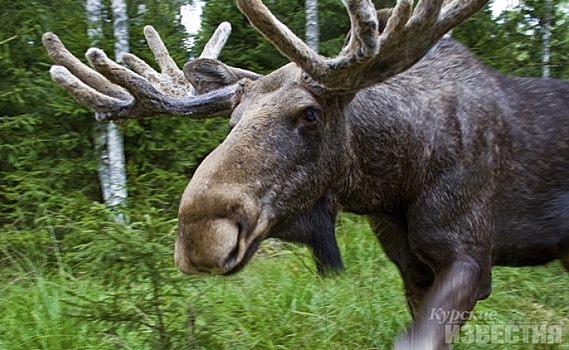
[94, 32]
[546, 39]
[100, 131]
[115, 146]
[312, 35]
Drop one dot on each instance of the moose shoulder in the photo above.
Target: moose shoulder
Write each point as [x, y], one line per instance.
[449, 137]
[458, 167]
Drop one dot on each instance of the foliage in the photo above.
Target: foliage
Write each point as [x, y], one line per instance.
[277, 302]
[39, 125]
[512, 43]
[115, 277]
[144, 292]
[32, 315]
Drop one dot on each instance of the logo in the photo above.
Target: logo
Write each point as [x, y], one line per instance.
[483, 327]
[504, 334]
[459, 317]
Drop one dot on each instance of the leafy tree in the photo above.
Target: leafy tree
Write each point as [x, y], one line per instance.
[44, 156]
[512, 43]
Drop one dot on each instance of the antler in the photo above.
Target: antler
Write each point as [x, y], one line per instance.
[370, 56]
[117, 94]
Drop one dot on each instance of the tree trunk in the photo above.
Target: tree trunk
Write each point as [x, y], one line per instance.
[108, 138]
[115, 146]
[312, 32]
[546, 39]
[94, 32]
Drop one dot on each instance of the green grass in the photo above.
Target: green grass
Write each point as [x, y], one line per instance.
[278, 302]
[32, 317]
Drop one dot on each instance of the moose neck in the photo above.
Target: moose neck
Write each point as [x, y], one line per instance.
[381, 168]
[418, 117]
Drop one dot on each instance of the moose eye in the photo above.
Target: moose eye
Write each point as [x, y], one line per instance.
[310, 117]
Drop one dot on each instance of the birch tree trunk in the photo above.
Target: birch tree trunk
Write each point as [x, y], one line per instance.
[115, 146]
[312, 31]
[546, 39]
[108, 138]
[94, 32]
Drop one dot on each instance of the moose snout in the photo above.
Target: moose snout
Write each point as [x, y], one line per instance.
[207, 246]
[214, 228]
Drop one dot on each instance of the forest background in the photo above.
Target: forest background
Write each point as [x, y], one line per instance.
[78, 274]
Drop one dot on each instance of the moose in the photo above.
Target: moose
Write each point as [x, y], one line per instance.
[458, 167]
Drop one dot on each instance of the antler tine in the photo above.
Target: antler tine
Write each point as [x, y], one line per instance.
[364, 27]
[217, 41]
[427, 12]
[163, 58]
[62, 57]
[398, 20]
[85, 94]
[280, 36]
[139, 87]
[459, 11]
[171, 80]
[117, 94]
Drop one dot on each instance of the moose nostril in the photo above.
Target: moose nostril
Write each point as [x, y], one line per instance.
[234, 254]
[232, 258]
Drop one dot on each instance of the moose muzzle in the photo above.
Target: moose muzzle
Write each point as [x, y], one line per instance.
[219, 228]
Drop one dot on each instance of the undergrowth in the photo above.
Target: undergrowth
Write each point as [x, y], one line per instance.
[131, 297]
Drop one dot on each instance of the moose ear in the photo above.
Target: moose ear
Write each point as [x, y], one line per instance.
[207, 74]
[316, 230]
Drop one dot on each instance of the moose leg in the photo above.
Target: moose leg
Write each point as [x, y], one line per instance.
[460, 254]
[417, 276]
[446, 306]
